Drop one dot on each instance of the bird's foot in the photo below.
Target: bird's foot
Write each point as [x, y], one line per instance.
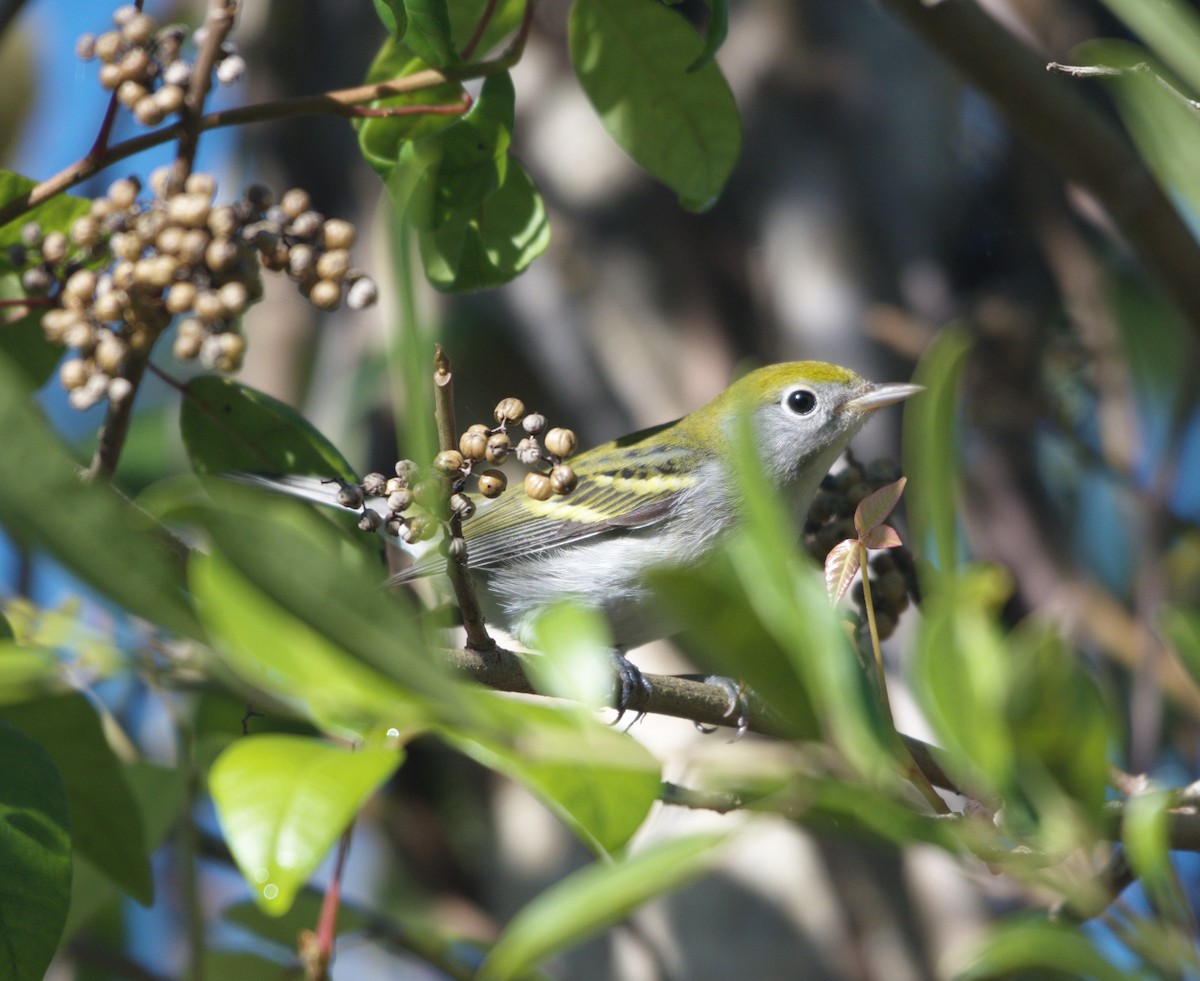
[628, 682]
[737, 709]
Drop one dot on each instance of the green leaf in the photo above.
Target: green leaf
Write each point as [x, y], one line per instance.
[1182, 627]
[479, 219]
[1021, 947]
[931, 448]
[26, 672]
[90, 530]
[1171, 28]
[632, 59]
[35, 841]
[599, 782]
[54, 214]
[593, 899]
[6, 630]
[284, 658]
[576, 663]
[428, 33]
[284, 800]
[106, 824]
[392, 15]
[22, 339]
[382, 139]
[714, 35]
[1145, 832]
[229, 427]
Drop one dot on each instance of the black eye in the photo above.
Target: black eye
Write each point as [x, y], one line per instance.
[801, 401]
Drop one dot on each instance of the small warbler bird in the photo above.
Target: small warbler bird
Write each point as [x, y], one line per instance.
[660, 497]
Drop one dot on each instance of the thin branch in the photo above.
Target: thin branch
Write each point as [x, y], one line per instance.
[217, 25]
[456, 563]
[477, 35]
[1111, 71]
[116, 421]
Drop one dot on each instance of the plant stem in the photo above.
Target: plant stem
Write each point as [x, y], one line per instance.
[912, 772]
[478, 638]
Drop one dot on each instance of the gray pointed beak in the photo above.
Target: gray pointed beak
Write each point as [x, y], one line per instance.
[877, 396]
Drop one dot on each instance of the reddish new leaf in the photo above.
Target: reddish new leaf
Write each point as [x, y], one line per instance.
[841, 566]
[882, 536]
[873, 509]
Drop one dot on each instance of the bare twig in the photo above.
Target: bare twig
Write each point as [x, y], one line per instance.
[217, 25]
[456, 562]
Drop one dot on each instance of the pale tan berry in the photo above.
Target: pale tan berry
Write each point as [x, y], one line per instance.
[374, 484]
[509, 410]
[73, 374]
[528, 451]
[234, 297]
[85, 232]
[462, 505]
[560, 442]
[498, 447]
[186, 346]
[193, 246]
[333, 264]
[222, 221]
[111, 76]
[362, 293]
[448, 461]
[563, 479]
[54, 247]
[395, 484]
[110, 306]
[221, 255]
[82, 284]
[111, 352]
[130, 93]
[107, 46]
[307, 225]
[135, 63]
[118, 390]
[294, 202]
[492, 483]
[400, 500]
[190, 210]
[337, 234]
[534, 424]
[537, 486]
[325, 294]
[407, 470]
[473, 446]
[85, 47]
[169, 99]
[202, 184]
[208, 305]
[181, 296]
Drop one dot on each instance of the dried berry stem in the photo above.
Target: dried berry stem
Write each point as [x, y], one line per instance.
[456, 566]
[116, 422]
[217, 25]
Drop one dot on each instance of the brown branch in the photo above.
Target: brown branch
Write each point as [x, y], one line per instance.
[217, 25]
[1049, 110]
[456, 564]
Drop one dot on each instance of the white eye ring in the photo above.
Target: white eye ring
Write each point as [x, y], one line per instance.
[800, 401]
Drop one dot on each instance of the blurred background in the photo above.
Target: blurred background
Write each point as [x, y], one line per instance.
[876, 200]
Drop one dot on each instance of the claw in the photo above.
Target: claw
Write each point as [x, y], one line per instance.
[739, 703]
[629, 680]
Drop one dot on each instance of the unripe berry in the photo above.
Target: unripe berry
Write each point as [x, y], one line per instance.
[362, 293]
[498, 447]
[492, 483]
[407, 470]
[85, 232]
[448, 462]
[73, 374]
[234, 297]
[110, 306]
[509, 410]
[54, 247]
[202, 184]
[169, 99]
[473, 446]
[208, 305]
[395, 484]
[563, 479]
[560, 442]
[325, 294]
[538, 486]
[337, 234]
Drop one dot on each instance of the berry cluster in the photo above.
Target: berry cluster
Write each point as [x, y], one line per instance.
[144, 64]
[130, 265]
[831, 520]
[415, 502]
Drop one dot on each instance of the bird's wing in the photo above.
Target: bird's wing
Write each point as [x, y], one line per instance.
[621, 486]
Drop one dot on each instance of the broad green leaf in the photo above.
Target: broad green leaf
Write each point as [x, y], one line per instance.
[26, 672]
[228, 427]
[284, 800]
[1182, 627]
[106, 824]
[392, 16]
[599, 782]
[1164, 126]
[931, 448]
[55, 214]
[21, 337]
[35, 840]
[279, 655]
[714, 34]
[160, 795]
[90, 530]
[428, 33]
[1145, 833]
[589, 901]
[6, 630]
[575, 662]
[1171, 28]
[494, 244]
[381, 139]
[632, 59]
[1024, 947]
[963, 676]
